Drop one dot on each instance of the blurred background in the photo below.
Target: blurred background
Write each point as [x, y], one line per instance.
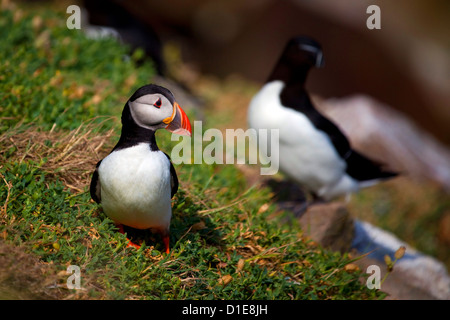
[388, 89]
[405, 64]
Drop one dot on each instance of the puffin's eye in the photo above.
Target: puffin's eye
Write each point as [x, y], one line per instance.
[158, 103]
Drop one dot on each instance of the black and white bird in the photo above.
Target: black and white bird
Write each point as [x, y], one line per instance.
[312, 150]
[136, 181]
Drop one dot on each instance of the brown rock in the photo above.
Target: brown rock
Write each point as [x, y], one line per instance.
[329, 224]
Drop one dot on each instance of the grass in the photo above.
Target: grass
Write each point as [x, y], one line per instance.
[60, 87]
[227, 242]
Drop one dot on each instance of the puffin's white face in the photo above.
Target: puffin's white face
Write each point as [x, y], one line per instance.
[152, 111]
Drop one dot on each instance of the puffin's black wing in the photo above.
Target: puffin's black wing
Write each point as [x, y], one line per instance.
[95, 188]
[173, 178]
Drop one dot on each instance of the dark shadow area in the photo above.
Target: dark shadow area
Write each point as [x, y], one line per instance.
[288, 196]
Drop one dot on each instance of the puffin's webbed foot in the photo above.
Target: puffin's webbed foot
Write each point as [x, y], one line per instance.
[130, 243]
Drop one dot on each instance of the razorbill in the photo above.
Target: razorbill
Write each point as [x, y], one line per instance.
[136, 181]
[312, 150]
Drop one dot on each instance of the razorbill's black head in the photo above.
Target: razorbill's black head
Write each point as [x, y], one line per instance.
[136, 181]
[312, 150]
[299, 55]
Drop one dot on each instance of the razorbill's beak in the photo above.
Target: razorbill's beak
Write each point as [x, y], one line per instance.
[320, 61]
[178, 123]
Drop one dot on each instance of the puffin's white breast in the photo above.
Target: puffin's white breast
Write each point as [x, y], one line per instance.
[135, 187]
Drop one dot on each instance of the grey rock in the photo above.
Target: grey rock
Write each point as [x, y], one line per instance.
[415, 276]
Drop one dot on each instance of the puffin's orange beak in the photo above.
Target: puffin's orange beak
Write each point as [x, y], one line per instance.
[178, 123]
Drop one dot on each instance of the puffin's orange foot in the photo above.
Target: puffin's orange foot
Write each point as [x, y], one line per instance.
[166, 241]
[130, 243]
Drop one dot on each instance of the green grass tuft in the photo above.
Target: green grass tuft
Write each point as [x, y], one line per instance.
[53, 75]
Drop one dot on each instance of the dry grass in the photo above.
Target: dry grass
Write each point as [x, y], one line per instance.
[69, 155]
[24, 276]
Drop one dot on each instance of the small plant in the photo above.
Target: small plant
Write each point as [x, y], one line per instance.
[390, 264]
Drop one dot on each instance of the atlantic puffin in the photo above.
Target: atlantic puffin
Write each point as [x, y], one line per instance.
[312, 150]
[135, 183]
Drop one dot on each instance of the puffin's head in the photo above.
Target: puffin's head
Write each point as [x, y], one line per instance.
[304, 50]
[153, 107]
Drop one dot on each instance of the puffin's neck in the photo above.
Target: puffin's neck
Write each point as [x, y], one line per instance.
[132, 134]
